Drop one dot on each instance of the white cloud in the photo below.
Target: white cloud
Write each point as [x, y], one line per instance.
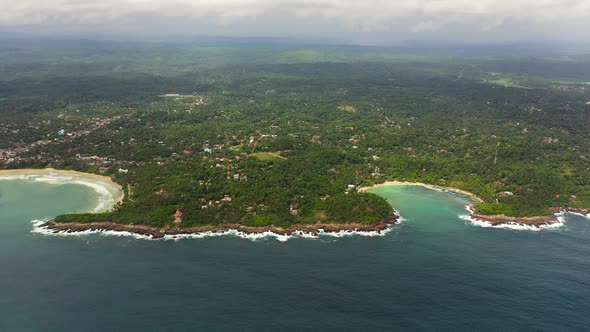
[296, 17]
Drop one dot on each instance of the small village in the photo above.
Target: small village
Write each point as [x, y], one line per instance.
[16, 154]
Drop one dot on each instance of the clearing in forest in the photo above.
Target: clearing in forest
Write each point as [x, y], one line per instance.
[347, 108]
[268, 156]
[505, 82]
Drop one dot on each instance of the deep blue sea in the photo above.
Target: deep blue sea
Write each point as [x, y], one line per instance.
[434, 271]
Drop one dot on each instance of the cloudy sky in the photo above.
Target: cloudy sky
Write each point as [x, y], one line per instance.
[379, 22]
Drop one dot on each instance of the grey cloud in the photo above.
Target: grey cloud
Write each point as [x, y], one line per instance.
[356, 19]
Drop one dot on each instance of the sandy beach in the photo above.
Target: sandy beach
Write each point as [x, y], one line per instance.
[431, 186]
[113, 193]
[493, 220]
[102, 184]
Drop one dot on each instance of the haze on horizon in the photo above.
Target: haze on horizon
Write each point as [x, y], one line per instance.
[368, 22]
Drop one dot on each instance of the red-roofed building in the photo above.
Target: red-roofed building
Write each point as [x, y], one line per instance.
[178, 216]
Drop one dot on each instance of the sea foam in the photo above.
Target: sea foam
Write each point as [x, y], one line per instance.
[512, 225]
[580, 214]
[39, 227]
[106, 198]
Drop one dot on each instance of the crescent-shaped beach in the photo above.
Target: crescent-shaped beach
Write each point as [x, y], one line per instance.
[109, 192]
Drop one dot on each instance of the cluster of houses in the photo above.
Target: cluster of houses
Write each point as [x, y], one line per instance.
[191, 100]
[211, 204]
[15, 154]
[573, 88]
[9, 156]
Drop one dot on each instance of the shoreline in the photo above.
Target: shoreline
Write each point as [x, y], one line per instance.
[101, 180]
[420, 184]
[500, 220]
[554, 219]
[173, 231]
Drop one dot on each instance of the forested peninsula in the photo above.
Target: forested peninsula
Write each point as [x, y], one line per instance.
[209, 138]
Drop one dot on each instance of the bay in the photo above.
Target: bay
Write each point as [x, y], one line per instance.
[434, 271]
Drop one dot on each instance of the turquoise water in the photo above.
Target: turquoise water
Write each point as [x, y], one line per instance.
[432, 272]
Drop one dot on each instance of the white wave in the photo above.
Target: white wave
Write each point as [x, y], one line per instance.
[107, 194]
[278, 237]
[106, 199]
[52, 178]
[512, 225]
[579, 214]
[40, 228]
[231, 232]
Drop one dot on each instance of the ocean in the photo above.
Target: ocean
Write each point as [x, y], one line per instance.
[434, 271]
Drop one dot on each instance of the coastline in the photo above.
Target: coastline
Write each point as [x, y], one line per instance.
[420, 184]
[102, 184]
[499, 220]
[549, 220]
[106, 184]
[552, 220]
[555, 219]
[578, 211]
[173, 231]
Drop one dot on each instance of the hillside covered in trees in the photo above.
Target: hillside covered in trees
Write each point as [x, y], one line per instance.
[283, 136]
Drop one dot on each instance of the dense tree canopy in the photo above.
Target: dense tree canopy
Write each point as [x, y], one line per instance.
[269, 136]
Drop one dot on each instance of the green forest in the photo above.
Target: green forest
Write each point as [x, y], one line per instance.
[287, 135]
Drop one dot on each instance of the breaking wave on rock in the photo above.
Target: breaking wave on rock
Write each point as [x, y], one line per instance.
[39, 227]
[512, 225]
[580, 214]
[108, 195]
